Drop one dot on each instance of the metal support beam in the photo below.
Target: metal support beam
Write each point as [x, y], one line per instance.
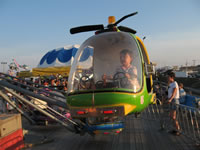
[6, 98]
[26, 92]
[43, 111]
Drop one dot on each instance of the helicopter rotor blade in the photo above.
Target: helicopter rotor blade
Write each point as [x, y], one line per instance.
[120, 20]
[126, 29]
[86, 28]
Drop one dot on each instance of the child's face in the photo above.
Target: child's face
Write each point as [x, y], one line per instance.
[170, 79]
[125, 59]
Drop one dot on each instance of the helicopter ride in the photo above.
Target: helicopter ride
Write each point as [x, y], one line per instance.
[110, 78]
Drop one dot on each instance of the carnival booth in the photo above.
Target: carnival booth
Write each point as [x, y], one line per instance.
[56, 61]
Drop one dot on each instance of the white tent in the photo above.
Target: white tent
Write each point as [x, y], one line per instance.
[56, 61]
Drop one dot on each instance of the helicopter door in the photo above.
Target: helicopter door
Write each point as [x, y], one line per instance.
[146, 61]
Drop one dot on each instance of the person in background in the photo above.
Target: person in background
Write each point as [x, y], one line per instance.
[64, 84]
[173, 100]
[53, 83]
[182, 93]
[46, 84]
[8, 106]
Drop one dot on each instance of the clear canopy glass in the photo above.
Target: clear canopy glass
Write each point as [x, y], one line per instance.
[107, 61]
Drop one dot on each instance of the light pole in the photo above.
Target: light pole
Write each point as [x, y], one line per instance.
[3, 65]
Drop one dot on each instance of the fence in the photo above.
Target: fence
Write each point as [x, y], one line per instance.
[187, 117]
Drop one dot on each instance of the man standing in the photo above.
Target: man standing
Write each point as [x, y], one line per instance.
[173, 100]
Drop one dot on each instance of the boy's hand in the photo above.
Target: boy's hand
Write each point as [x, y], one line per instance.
[104, 77]
[127, 75]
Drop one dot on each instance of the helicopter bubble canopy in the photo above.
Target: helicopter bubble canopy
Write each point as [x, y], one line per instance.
[108, 61]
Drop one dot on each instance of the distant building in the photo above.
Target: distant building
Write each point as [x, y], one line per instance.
[181, 74]
[183, 71]
[191, 69]
[175, 68]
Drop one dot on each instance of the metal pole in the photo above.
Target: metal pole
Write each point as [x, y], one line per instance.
[192, 124]
[24, 91]
[6, 98]
[187, 122]
[39, 109]
[183, 116]
[197, 124]
[56, 112]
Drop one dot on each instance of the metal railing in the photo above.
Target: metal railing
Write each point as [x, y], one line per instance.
[44, 108]
[189, 120]
[187, 117]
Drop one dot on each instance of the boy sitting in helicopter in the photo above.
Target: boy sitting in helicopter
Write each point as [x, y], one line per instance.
[126, 74]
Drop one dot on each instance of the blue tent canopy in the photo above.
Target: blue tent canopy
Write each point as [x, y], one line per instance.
[62, 55]
[58, 57]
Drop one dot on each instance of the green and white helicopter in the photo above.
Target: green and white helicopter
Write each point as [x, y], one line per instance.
[110, 78]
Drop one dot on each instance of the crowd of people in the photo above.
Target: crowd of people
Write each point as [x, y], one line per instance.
[45, 83]
[57, 81]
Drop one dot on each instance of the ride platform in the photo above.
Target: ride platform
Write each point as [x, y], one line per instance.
[138, 134]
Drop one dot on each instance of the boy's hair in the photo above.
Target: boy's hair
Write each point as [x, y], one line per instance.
[181, 85]
[172, 75]
[126, 51]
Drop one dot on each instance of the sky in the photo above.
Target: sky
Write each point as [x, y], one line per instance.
[31, 28]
